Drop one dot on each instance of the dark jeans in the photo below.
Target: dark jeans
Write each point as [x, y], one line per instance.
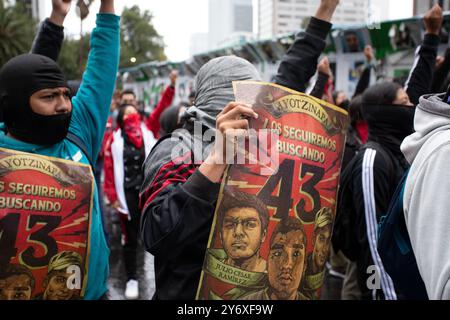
[97, 174]
[130, 231]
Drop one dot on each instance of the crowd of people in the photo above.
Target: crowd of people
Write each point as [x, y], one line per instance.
[398, 132]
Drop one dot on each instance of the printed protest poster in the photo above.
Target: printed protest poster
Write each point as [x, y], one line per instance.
[45, 210]
[271, 233]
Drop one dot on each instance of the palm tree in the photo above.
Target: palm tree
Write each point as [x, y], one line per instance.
[17, 29]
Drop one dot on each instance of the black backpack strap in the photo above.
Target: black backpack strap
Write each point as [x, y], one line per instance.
[80, 144]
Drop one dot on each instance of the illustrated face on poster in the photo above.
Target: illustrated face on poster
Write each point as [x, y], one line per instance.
[17, 285]
[287, 257]
[321, 246]
[243, 221]
[271, 233]
[55, 282]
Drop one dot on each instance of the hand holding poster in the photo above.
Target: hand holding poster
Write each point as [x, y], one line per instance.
[272, 228]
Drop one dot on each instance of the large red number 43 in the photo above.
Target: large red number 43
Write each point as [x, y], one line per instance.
[282, 183]
[9, 227]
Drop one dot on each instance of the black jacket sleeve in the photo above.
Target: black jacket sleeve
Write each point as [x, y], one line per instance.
[48, 41]
[178, 204]
[319, 88]
[179, 215]
[300, 62]
[440, 75]
[364, 81]
[420, 77]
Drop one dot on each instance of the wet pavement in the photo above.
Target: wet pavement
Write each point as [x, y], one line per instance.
[117, 279]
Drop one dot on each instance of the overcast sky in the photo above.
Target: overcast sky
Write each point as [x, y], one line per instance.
[177, 20]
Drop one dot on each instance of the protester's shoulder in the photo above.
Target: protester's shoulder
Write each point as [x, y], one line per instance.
[164, 143]
[163, 148]
[438, 144]
[435, 156]
[366, 158]
[375, 155]
[176, 138]
[356, 162]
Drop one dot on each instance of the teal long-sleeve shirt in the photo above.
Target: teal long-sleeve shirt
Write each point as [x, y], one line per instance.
[90, 112]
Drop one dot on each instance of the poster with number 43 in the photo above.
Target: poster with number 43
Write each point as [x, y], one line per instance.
[271, 235]
[45, 224]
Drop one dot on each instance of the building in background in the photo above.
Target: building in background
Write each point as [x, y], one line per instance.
[422, 6]
[277, 17]
[230, 23]
[199, 43]
[38, 9]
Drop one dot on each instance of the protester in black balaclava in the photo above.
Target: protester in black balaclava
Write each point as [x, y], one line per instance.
[35, 100]
[57, 138]
[389, 114]
[370, 179]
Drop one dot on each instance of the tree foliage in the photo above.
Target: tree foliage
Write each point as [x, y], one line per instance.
[139, 39]
[17, 30]
[70, 61]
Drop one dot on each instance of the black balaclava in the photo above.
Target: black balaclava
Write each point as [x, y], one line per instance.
[389, 124]
[170, 119]
[20, 78]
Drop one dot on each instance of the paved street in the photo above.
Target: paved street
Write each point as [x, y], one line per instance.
[117, 280]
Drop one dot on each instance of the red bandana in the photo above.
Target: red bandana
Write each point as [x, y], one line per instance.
[132, 128]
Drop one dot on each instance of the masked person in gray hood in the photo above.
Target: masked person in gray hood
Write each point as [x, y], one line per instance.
[426, 197]
[178, 197]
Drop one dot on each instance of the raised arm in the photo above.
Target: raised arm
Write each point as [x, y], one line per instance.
[421, 75]
[166, 100]
[50, 36]
[91, 104]
[439, 83]
[299, 63]
[324, 74]
[364, 80]
[107, 6]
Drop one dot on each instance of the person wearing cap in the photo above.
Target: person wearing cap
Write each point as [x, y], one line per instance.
[55, 282]
[315, 269]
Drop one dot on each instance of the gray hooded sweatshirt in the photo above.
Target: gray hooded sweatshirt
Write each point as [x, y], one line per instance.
[427, 193]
